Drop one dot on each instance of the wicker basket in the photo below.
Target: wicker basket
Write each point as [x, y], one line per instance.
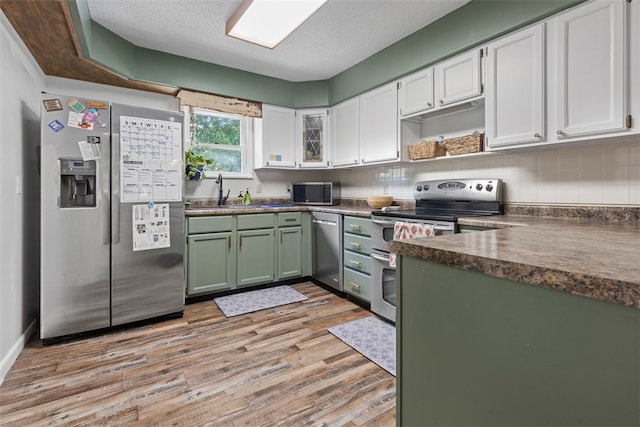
[465, 144]
[426, 150]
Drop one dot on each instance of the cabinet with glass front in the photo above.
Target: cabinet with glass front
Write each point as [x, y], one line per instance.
[312, 129]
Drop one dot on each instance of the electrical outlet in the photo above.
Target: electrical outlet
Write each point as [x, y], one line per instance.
[288, 188]
[258, 188]
[385, 189]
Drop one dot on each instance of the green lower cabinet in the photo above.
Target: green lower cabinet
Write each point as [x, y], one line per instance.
[357, 284]
[290, 253]
[476, 350]
[211, 263]
[256, 257]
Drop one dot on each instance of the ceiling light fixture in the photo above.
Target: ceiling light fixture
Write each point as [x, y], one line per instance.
[268, 22]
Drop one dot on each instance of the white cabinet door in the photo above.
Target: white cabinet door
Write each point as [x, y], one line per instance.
[514, 97]
[312, 134]
[345, 133]
[278, 137]
[416, 93]
[590, 69]
[379, 124]
[458, 78]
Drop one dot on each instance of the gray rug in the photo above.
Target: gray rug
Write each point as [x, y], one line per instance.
[247, 302]
[374, 338]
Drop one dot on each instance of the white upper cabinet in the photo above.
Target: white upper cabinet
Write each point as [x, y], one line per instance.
[590, 69]
[278, 137]
[458, 78]
[515, 94]
[379, 124]
[345, 133]
[415, 93]
[312, 127]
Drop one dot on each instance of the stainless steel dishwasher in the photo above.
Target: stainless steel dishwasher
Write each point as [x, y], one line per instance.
[327, 249]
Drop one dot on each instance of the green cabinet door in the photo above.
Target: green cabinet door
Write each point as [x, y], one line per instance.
[256, 257]
[210, 262]
[289, 252]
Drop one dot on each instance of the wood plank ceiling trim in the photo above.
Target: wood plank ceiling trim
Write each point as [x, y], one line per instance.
[47, 30]
[220, 103]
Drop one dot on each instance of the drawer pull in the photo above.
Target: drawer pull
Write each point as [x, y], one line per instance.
[355, 286]
[354, 262]
[355, 226]
[355, 244]
[289, 219]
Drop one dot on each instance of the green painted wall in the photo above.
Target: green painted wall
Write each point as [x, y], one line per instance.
[471, 25]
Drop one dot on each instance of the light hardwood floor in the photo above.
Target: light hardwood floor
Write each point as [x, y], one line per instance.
[274, 367]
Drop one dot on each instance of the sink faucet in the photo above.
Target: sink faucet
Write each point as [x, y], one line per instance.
[221, 197]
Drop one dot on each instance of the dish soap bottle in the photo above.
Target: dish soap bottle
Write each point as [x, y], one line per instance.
[247, 197]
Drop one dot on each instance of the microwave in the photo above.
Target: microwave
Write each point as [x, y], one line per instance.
[315, 193]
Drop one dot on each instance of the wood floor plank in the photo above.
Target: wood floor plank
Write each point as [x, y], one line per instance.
[275, 367]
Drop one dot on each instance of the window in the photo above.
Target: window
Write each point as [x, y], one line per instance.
[224, 138]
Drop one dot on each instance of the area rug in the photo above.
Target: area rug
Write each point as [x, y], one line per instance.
[247, 302]
[374, 338]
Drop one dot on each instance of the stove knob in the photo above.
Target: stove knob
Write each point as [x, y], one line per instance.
[426, 187]
[419, 188]
[478, 187]
[489, 187]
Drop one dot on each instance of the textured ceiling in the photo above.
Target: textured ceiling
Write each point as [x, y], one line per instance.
[338, 36]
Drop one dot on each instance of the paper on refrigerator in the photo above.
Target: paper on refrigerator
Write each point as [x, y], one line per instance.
[150, 160]
[150, 226]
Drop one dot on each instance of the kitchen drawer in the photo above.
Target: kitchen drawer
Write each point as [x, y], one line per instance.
[209, 224]
[357, 262]
[358, 244]
[255, 221]
[357, 284]
[354, 225]
[285, 219]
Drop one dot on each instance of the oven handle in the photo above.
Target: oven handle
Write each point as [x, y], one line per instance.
[441, 228]
[380, 258]
[381, 222]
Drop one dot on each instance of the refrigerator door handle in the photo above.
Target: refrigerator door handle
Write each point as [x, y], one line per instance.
[115, 187]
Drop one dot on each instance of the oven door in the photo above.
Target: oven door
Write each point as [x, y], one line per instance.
[382, 232]
[383, 285]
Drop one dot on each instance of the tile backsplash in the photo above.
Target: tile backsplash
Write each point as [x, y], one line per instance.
[592, 173]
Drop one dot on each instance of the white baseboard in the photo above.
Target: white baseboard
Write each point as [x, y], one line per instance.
[7, 361]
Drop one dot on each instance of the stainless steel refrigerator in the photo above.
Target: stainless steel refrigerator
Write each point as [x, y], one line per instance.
[112, 215]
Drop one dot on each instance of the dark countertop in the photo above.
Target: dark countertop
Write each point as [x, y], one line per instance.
[589, 257]
[344, 209]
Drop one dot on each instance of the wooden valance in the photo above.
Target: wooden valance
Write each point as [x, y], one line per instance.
[220, 103]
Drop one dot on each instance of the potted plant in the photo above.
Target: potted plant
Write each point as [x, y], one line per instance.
[195, 164]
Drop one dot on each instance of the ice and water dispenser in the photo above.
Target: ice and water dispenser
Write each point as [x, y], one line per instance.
[77, 183]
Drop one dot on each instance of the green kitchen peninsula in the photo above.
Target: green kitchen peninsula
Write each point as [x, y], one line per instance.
[536, 322]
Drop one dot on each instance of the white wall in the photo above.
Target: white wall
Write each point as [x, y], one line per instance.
[20, 84]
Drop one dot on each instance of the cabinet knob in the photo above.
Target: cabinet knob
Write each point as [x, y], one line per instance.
[537, 135]
[429, 104]
[560, 132]
[441, 102]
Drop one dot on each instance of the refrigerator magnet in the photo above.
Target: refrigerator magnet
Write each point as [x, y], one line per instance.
[76, 106]
[98, 105]
[52, 105]
[76, 120]
[56, 126]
